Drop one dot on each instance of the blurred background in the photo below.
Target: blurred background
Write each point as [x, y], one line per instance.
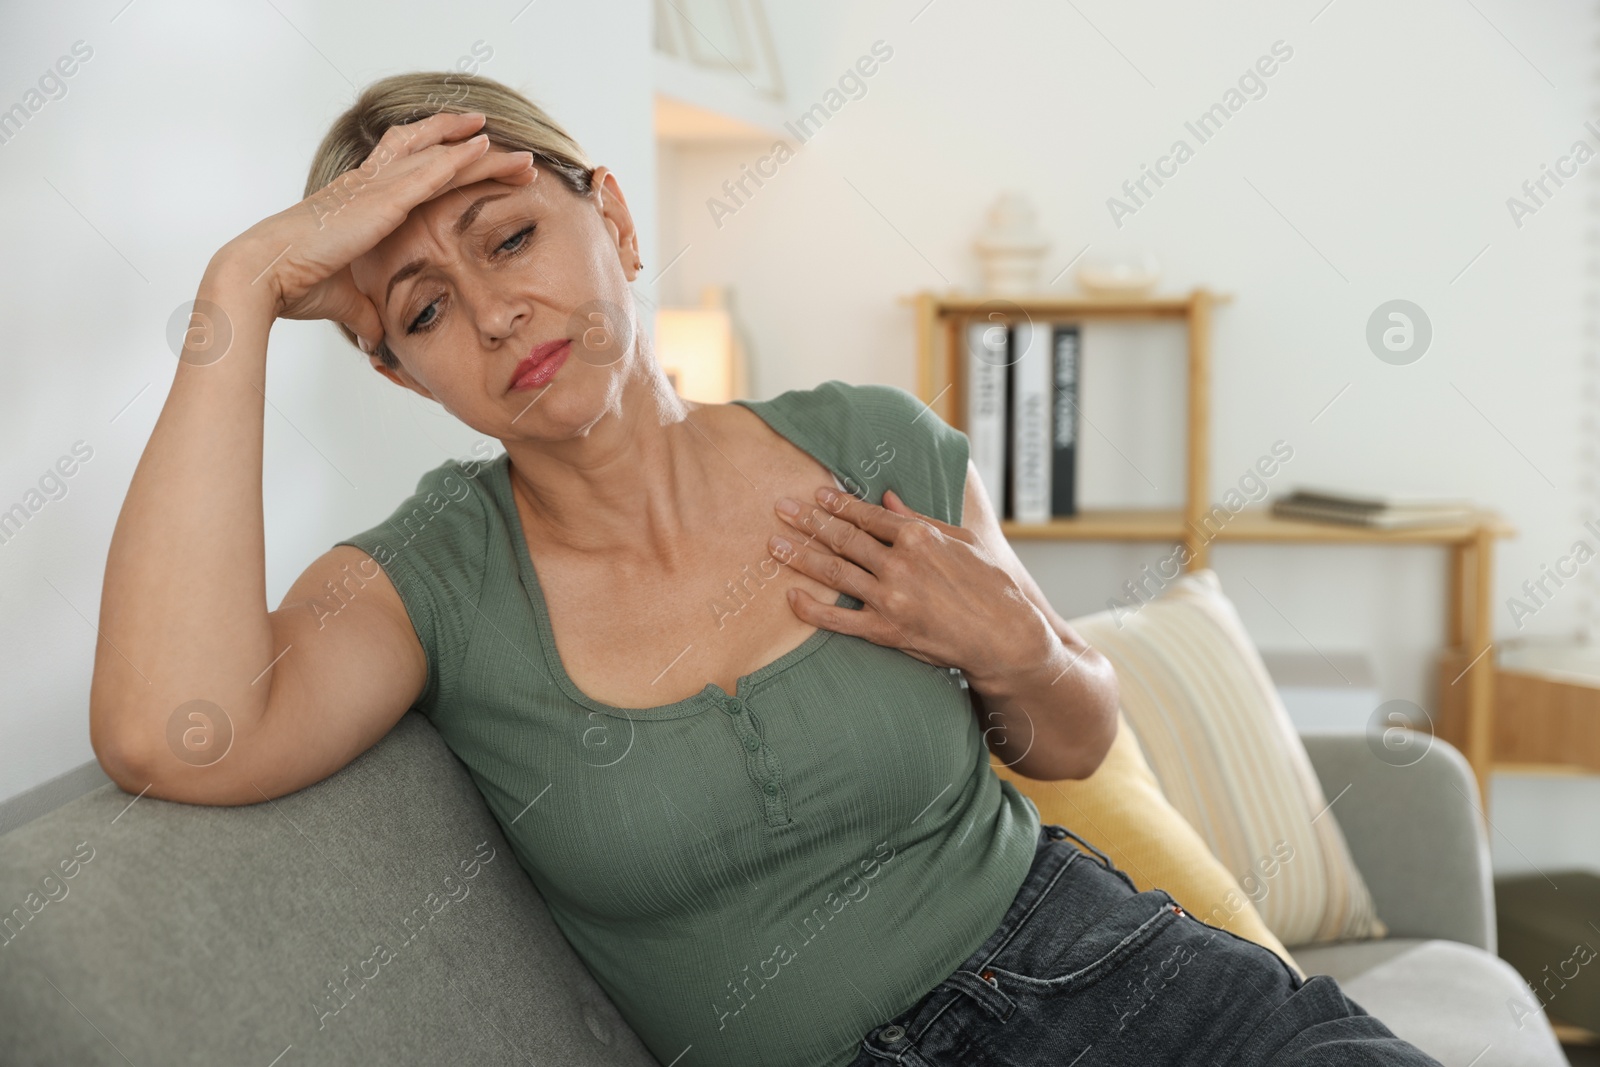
[1395, 152]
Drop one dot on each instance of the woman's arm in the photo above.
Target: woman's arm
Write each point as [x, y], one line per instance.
[190, 658]
[1052, 713]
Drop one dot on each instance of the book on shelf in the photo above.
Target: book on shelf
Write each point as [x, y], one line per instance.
[987, 349]
[1032, 382]
[1064, 422]
[1021, 415]
[1380, 511]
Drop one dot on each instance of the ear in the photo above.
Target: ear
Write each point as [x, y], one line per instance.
[613, 209]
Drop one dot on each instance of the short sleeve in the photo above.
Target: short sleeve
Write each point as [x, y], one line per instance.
[432, 548]
[892, 440]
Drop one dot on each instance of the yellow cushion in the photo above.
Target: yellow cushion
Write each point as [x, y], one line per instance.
[1121, 811]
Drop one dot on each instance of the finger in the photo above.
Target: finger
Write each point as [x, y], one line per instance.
[423, 176]
[409, 138]
[511, 168]
[881, 523]
[855, 622]
[411, 178]
[837, 532]
[497, 163]
[403, 141]
[866, 623]
[351, 307]
[894, 503]
[830, 569]
[364, 320]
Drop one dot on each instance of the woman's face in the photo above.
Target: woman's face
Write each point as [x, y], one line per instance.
[480, 278]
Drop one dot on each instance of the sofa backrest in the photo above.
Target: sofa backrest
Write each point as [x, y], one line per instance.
[377, 916]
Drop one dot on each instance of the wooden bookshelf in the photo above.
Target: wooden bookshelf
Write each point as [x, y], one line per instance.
[941, 320]
[1132, 524]
[1250, 525]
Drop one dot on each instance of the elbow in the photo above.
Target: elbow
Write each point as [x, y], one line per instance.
[1095, 730]
[1089, 752]
[1096, 750]
[119, 756]
[1108, 710]
[143, 764]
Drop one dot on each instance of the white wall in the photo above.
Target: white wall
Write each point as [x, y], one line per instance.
[1376, 166]
[188, 124]
[1390, 140]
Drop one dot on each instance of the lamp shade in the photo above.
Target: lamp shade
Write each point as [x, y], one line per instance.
[695, 347]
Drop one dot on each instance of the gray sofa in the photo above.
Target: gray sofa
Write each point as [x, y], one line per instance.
[379, 917]
[1417, 835]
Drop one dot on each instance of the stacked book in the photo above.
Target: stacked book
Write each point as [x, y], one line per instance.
[1021, 415]
[1379, 511]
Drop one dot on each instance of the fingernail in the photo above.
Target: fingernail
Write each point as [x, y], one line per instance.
[364, 344]
[781, 547]
[789, 507]
[827, 496]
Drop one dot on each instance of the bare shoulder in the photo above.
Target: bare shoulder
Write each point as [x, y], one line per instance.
[751, 444]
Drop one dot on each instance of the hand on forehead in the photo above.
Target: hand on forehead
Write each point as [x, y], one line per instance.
[432, 223]
[488, 171]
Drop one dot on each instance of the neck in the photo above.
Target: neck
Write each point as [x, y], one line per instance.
[639, 480]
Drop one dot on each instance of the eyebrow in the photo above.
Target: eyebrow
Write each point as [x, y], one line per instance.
[460, 227]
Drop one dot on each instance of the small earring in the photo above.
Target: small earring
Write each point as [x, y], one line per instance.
[638, 265]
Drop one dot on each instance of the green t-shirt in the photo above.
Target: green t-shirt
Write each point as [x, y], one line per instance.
[755, 878]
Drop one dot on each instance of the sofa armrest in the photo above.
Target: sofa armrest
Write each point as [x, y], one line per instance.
[1415, 834]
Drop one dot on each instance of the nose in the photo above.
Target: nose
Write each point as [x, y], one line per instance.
[500, 310]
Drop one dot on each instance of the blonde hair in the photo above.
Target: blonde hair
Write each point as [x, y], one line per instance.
[512, 121]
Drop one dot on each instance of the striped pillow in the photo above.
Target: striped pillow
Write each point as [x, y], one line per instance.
[1216, 734]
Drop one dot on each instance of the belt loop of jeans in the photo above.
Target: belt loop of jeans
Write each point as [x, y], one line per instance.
[986, 991]
[1105, 861]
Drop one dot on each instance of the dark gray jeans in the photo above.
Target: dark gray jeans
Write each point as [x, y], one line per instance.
[1085, 971]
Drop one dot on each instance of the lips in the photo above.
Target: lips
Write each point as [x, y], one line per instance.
[533, 359]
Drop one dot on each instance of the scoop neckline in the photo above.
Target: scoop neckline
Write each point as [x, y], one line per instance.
[711, 694]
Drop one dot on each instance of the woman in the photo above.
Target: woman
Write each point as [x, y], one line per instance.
[741, 750]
